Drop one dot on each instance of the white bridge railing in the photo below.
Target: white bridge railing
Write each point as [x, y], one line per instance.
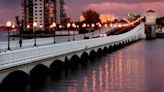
[27, 55]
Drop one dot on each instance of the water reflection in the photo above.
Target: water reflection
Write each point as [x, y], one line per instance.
[100, 78]
[85, 85]
[73, 87]
[132, 69]
[94, 81]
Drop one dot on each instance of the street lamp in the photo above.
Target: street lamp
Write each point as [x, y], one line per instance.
[99, 27]
[35, 25]
[54, 26]
[13, 28]
[68, 26]
[74, 26]
[60, 27]
[88, 25]
[84, 26]
[106, 27]
[28, 27]
[111, 25]
[8, 24]
[93, 25]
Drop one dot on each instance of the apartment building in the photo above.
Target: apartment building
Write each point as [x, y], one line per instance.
[43, 12]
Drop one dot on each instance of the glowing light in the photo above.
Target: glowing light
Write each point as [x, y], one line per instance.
[68, 25]
[100, 25]
[60, 26]
[74, 25]
[84, 25]
[93, 25]
[13, 26]
[54, 24]
[28, 26]
[51, 26]
[111, 25]
[8, 24]
[41, 26]
[35, 24]
[106, 25]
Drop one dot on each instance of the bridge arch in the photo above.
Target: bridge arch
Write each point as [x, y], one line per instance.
[114, 47]
[66, 63]
[99, 52]
[105, 49]
[129, 40]
[84, 58]
[56, 68]
[124, 42]
[110, 48]
[15, 81]
[74, 61]
[92, 54]
[38, 74]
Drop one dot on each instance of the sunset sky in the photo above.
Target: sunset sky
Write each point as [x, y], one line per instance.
[10, 8]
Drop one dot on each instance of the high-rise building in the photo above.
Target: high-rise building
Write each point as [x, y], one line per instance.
[60, 12]
[43, 12]
[27, 13]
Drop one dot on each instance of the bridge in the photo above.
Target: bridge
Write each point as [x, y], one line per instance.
[17, 66]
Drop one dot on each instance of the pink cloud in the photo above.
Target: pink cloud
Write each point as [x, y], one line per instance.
[122, 8]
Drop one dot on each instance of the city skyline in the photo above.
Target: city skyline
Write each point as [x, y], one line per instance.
[74, 7]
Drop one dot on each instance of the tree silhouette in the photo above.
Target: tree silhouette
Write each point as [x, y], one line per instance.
[160, 21]
[91, 16]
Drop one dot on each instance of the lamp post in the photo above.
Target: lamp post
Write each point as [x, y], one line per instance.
[84, 26]
[54, 26]
[35, 25]
[74, 26]
[106, 27]
[68, 26]
[99, 28]
[93, 26]
[60, 27]
[8, 24]
[13, 27]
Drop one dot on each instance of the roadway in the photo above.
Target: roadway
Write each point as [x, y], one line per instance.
[29, 43]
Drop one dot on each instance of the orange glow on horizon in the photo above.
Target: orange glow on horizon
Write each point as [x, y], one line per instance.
[107, 18]
[103, 17]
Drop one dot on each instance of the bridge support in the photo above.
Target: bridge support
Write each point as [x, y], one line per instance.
[150, 32]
